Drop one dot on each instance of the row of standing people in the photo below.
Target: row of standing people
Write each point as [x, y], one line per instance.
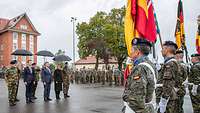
[92, 76]
[31, 75]
[169, 83]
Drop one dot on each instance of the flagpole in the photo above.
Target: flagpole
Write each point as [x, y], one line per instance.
[157, 26]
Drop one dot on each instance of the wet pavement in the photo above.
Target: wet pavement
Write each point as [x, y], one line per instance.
[84, 99]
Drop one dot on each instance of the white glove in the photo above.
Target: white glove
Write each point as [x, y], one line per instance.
[194, 90]
[44, 83]
[25, 83]
[158, 66]
[163, 104]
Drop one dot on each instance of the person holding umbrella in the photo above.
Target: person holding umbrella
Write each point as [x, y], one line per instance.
[46, 75]
[57, 76]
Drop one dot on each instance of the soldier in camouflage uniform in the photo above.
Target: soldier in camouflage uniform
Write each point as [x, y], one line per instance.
[109, 74]
[182, 76]
[194, 81]
[140, 84]
[166, 94]
[11, 77]
[103, 76]
[66, 80]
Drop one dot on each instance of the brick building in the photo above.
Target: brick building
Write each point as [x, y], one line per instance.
[17, 33]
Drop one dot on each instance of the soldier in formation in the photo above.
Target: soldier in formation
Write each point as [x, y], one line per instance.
[194, 82]
[140, 84]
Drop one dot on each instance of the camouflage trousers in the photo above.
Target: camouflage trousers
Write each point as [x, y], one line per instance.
[65, 88]
[171, 107]
[195, 102]
[12, 90]
[179, 104]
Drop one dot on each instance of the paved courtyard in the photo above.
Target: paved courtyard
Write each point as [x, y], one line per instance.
[84, 99]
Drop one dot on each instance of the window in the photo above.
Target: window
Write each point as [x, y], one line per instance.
[24, 27]
[14, 57]
[23, 59]
[31, 43]
[24, 41]
[15, 37]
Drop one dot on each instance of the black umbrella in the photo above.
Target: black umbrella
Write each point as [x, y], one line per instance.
[61, 58]
[21, 52]
[45, 53]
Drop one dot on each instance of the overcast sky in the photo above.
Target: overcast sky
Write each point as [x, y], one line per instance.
[52, 18]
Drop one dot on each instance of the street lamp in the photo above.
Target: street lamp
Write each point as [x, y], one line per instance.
[73, 20]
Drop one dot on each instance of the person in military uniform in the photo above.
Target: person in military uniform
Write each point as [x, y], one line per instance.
[194, 81]
[58, 80]
[166, 94]
[66, 81]
[181, 77]
[36, 78]
[11, 77]
[19, 68]
[109, 74]
[139, 88]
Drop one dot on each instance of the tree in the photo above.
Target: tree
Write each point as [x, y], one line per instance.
[91, 37]
[115, 35]
[103, 36]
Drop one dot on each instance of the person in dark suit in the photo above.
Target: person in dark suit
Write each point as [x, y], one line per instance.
[28, 81]
[46, 79]
[58, 80]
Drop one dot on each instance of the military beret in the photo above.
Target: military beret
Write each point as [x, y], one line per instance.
[170, 43]
[195, 55]
[13, 62]
[66, 63]
[141, 41]
[179, 51]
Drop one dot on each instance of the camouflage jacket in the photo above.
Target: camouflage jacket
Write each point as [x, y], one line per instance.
[194, 76]
[12, 75]
[66, 75]
[168, 78]
[139, 87]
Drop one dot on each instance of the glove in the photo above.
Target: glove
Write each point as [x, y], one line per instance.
[194, 90]
[25, 83]
[44, 83]
[158, 66]
[163, 104]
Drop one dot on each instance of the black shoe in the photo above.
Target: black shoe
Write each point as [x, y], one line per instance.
[16, 100]
[48, 99]
[34, 97]
[31, 101]
[68, 96]
[58, 98]
[45, 99]
[27, 102]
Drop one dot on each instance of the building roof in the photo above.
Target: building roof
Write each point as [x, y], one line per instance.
[6, 24]
[92, 60]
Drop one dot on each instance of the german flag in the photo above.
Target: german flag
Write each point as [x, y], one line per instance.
[179, 31]
[198, 40]
[139, 22]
